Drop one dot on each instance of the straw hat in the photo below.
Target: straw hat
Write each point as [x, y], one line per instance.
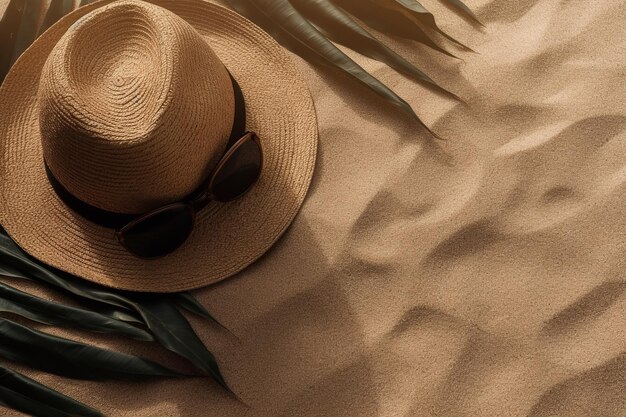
[131, 105]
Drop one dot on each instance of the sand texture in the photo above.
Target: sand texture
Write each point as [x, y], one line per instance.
[484, 278]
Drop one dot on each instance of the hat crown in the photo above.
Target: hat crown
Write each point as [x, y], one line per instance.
[135, 108]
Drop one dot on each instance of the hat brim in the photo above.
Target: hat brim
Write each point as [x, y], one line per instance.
[227, 236]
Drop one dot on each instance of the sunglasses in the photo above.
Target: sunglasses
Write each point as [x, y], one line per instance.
[163, 230]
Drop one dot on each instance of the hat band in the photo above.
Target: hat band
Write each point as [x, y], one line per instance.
[115, 220]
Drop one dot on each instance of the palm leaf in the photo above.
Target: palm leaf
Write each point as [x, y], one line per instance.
[73, 359]
[287, 25]
[29, 396]
[55, 314]
[389, 20]
[20, 402]
[459, 5]
[418, 13]
[15, 263]
[172, 330]
[7, 270]
[114, 312]
[341, 28]
[156, 311]
[188, 302]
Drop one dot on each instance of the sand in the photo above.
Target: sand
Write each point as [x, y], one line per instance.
[481, 279]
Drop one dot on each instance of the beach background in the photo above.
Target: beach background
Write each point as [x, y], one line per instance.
[484, 276]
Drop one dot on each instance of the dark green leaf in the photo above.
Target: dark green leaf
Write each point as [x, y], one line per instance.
[188, 302]
[458, 4]
[288, 26]
[414, 6]
[116, 313]
[414, 9]
[158, 313]
[8, 271]
[20, 402]
[14, 262]
[173, 331]
[29, 396]
[73, 359]
[57, 9]
[341, 28]
[56, 314]
[389, 21]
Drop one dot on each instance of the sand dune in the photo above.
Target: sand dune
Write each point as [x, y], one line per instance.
[480, 277]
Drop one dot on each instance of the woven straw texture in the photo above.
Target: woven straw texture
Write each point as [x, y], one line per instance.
[134, 116]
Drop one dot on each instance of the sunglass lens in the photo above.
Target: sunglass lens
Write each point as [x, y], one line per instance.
[160, 233]
[239, 171]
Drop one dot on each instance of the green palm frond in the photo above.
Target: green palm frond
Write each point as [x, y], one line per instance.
[415, 11]
[157, 312]
[340, 27]
[188, 302]
[288, 26]
[307, 28]
[73, 359]
[388, 16]
[29, 396]
[37, 309]
[459, 5]
[146, 317]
